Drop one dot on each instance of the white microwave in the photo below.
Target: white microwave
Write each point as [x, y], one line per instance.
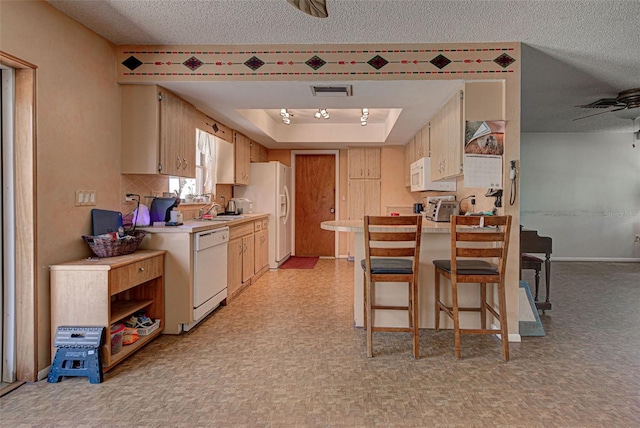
[421, 178]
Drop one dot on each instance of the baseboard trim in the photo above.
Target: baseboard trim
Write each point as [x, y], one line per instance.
[594, 259]
[44, 373]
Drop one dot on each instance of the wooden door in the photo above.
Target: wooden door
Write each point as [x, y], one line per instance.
[315, 203]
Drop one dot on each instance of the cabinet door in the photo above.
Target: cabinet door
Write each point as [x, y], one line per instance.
[454, 125]
[419, 149]
[372, 197]
[242, 155]
[177, 136]
[356, 199]
[446, 139]
[234, 268]
[422, 143]
[364, 198]
[261, 250]
[356, 162]
[409, 153]
[140, 134]
[372, 162]
[248, 258]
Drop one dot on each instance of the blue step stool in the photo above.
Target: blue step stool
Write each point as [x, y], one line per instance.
[78, 353]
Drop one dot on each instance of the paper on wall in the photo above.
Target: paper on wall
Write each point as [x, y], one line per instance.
[483, 171]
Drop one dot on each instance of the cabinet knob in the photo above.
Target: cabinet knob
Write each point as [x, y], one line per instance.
[141, 269]
[179, 162]
[185, 163]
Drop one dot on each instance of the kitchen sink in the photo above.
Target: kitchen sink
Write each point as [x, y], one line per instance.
[224, 218]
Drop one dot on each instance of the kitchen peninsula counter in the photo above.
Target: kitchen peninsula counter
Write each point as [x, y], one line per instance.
[435, 244]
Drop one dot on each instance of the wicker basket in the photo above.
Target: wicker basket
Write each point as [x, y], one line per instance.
[109, 245]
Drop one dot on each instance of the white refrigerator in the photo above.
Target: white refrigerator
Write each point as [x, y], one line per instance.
[270, 192]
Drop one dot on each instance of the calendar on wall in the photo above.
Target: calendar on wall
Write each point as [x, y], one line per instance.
[483, 150]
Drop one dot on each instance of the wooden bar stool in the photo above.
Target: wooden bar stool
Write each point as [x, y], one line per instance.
[392, 254]
[473, 240]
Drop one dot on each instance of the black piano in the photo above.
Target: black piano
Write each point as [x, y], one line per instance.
[531, 243]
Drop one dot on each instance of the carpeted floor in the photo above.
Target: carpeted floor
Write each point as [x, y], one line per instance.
[285, 354]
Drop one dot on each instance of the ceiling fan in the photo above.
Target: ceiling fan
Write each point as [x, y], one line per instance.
[626, 105]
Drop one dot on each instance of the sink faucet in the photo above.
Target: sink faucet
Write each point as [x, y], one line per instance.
[207, 209]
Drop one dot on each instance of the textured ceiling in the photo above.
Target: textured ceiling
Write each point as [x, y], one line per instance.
[574, 52]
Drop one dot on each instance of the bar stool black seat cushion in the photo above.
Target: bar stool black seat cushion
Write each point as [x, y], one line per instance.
[389, 266]
[468, 267]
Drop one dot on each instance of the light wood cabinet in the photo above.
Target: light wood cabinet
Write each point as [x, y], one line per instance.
[422, 143]
[158, 132]
[242, 156]
[364, 198]
[447, 133]
[259, 152]
[475, 101]
[364, 162]
[247, 255]
[409, 158]
[106, 291]
[261, 245]
[234, 268]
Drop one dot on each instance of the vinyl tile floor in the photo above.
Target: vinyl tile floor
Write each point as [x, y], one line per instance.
[285, 354]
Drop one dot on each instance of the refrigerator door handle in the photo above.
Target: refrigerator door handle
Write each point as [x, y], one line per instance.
[288, 204]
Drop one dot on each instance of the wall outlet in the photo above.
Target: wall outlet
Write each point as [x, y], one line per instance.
[85, 198]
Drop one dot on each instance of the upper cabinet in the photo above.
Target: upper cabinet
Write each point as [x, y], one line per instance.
[259, 152]
[446, 138]
[475, 101]
[158, 132]
[243, 154]
[364, 162]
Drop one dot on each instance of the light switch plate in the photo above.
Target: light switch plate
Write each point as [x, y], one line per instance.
[85, 198]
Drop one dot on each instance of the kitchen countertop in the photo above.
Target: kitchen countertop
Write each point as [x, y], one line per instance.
[194, 226]
[428, 226]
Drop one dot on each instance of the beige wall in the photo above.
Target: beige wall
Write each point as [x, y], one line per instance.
[78, 133]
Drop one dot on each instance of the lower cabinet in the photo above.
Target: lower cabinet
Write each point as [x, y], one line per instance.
[107, 291]
[247, 255]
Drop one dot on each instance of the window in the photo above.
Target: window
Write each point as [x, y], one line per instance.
[205, 182]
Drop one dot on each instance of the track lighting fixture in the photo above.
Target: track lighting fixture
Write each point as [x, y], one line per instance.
[322, 112]
[364, 117]
[286, 116]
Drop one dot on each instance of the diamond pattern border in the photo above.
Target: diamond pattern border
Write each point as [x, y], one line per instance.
[254, 63]
[440, 61]
[504, 60]
[377, 62]
[193, 63]
[132, 63]
[315, 62]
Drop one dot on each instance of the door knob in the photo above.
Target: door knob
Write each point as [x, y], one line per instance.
[332, 210]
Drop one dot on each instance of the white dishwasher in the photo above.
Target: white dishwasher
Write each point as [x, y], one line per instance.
[209, 272]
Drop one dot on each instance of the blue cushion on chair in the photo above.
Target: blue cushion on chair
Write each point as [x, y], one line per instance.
[468, 267]
[389, 266]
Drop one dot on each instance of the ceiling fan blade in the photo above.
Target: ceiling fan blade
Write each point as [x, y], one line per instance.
[599, 113]
[317, 8]
[603, 103]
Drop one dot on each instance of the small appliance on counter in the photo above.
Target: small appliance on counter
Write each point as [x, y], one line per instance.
[243, 205]
[441, 208]
[161, 208]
